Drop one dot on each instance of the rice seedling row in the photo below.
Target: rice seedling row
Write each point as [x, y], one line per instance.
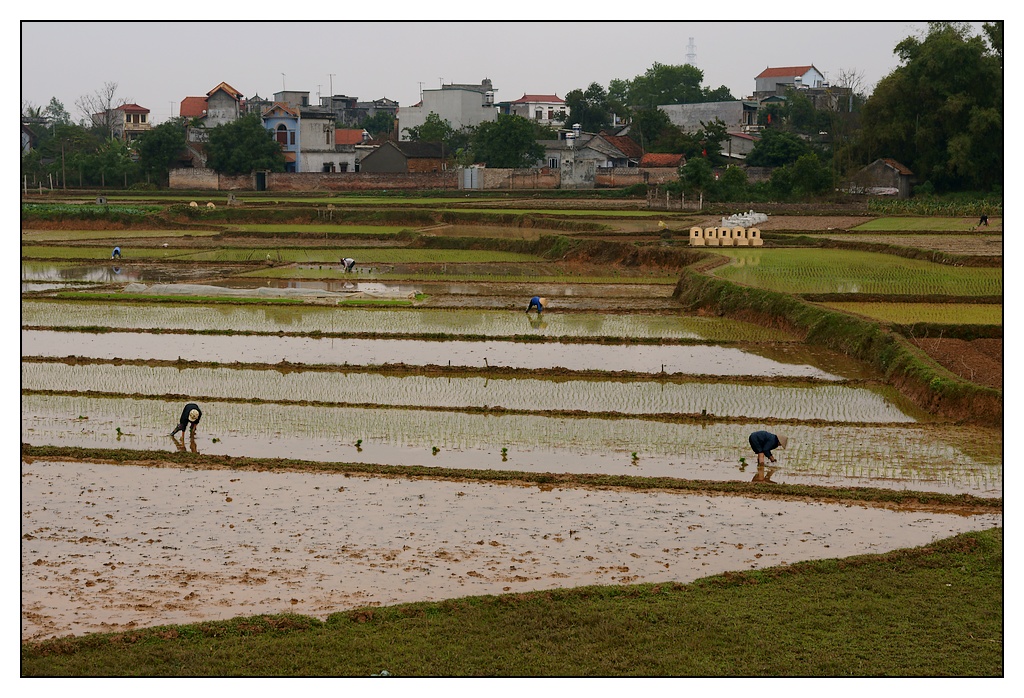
[981, 245]
[929, 223]
[831, 403]
[848, 271]
[912, 457]
[938, 313]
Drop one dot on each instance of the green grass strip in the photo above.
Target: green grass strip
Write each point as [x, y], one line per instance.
[935, 610]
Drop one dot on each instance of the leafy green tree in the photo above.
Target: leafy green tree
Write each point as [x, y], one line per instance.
[666, 84]
[810, 175]
[508, 142]
[112, 162]
[941, 111]
[380, 125]
[696, 175]
[243, 146]
[732, 186]
[159, 147]
[434, 129]
[777, 148]
[711, 136]
[55, 113]
[589, 108]
[647, 127]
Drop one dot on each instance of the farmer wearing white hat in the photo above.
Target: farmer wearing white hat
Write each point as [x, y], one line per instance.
[190, 417]
[538, 302]
[762, 442]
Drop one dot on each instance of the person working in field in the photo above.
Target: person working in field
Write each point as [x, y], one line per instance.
[116, 254]
[537, 302]
[762, 442]
[190, 417]
[348, 263]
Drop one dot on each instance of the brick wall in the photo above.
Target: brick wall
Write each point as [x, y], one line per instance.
[357, 181]
[618, 176]
[508, 178]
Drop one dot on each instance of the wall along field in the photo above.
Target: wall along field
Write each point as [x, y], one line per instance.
[285, 506]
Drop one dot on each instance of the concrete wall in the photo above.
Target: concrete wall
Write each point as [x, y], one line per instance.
[659, 175]
[618, 176]
[221, 108]
[459, 108]
[688, 116]
[512, 179]
[204, 179]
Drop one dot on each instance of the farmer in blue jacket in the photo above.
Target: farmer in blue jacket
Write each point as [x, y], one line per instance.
[763, 442]
[537, 302]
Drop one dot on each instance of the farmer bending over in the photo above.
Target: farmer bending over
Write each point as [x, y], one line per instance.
[348, 263]
[763, 442]
[190, 417]
[537, 301]
[116, 254]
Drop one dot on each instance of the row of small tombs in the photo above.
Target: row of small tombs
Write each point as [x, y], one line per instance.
[725, 237]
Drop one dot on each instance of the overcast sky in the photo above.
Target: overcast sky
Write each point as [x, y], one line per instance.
[156, 64]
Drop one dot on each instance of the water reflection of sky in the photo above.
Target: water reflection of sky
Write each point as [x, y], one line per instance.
[690, 360]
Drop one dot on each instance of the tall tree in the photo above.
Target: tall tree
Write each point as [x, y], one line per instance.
[380, 125]
[508, 142]
[98, 108]
[589, 108]
[941, 111]
[777, 148]
[55, 113]
[243, 146]
[159, 147]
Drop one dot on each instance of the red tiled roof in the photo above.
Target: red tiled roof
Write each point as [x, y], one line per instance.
[283, 107]
[662, 160]
[227, 88]
[899, 167]
[626, 144]
[193, 107]
[348, 136]
[784, 72]
[539, 98]
[133, 108]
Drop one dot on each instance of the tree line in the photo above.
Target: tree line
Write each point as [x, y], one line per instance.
[939, 112]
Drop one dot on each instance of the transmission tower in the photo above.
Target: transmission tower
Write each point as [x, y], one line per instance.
[691, 53]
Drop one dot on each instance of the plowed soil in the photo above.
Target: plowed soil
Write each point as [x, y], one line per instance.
[979, 361]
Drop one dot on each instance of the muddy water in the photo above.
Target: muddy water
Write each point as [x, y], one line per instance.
[917, 458]
[444, 288]
[125, 272]
[391, 321]
[690, 360]
[108, 548]
[835, 403]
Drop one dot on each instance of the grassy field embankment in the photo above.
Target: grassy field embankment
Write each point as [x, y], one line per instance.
[903, 365]
[930, 611]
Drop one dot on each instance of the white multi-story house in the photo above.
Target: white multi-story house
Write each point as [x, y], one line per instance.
[460, 105]
[775, 81]
[549, 110]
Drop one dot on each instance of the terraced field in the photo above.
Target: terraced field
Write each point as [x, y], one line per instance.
[470, 447]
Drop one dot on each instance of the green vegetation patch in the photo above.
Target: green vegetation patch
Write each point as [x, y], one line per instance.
[937, 610]
[363, 255]
[852, 271]
[329, 228]
[99, 253]
[117, 236]
[938, 313]
[912, 223]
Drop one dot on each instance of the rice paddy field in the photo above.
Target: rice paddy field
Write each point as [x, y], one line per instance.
[358, 455]
[847, 271]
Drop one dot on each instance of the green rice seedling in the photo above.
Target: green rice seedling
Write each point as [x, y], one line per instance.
[849, 271]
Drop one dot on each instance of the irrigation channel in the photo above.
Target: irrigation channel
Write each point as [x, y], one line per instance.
[614, 379]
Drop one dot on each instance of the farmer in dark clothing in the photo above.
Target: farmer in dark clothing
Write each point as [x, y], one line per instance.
[190, 417]
[116, 254]
[538, 302]
[763, 442]
[983, 220]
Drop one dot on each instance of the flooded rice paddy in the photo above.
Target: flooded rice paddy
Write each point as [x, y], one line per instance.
[635, 388]
[828, 402]
[121, 547]
[687, 360]
[892, 456]
[305, 319]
